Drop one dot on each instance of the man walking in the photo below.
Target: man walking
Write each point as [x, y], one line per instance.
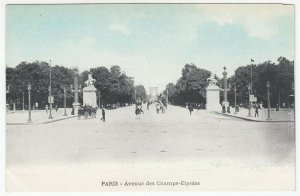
[256, 110]
[190, 107]
[103, 114]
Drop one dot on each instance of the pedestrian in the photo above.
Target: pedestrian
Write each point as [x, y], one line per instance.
[190, 107]
[277, 107]
[56, 107]
[103, 114]
[46, 107]
[157, 107]
[137, 112]
[256, 110]
[36, 105]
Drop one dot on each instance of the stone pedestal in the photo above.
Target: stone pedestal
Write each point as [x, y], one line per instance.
[89, 96]
[213, 98]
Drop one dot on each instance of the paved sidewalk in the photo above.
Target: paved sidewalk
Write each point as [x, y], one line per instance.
[283, 115]
[20, 117]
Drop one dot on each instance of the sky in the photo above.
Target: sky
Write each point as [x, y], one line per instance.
[150, 42]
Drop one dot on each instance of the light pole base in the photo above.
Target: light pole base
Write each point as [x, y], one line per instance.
[249, 113]
[235, 112]
[65, 114]
[269, 118]
[29, 121]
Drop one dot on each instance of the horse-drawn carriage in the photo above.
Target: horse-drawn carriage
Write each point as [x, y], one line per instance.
[87, 111]
[160, 107]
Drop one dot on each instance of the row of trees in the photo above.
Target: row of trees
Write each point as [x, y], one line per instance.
[190, 87]
[281, 78]
[113, 84]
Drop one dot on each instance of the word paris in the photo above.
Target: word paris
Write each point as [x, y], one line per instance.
[150, 183]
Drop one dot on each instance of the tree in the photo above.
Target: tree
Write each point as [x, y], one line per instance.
[140, 92]
[190, 87]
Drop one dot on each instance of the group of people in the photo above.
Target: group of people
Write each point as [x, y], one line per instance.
[47, 108]
[158, 105]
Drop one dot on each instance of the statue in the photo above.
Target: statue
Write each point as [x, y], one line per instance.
[212, 80]
[90, 80]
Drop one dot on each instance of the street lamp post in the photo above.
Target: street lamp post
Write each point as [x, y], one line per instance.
[65, 101]
[251, 78]
[29, 104]
[23, 102]
[167, 97]
[235, 109]
[76, 90]
[7, 105]
[225, 103]
[99, 99]
[268, 91]
[279, 100]
[249, 103]
[50, 99]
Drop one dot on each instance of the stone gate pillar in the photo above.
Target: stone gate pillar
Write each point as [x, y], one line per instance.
[89, 92]
[89, 96]
[213, 95]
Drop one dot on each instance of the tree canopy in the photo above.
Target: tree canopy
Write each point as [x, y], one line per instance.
[113, 84]
[280, 76]
[190, 87]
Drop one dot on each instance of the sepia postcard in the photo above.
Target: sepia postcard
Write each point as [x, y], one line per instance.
[149, 97]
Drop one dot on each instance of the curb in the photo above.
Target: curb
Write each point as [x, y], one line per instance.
[47, 122]
[59, 119]
[251, 120]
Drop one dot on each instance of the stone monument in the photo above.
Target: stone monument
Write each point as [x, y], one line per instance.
[225, 103]
[212, 94]
[89, 92]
